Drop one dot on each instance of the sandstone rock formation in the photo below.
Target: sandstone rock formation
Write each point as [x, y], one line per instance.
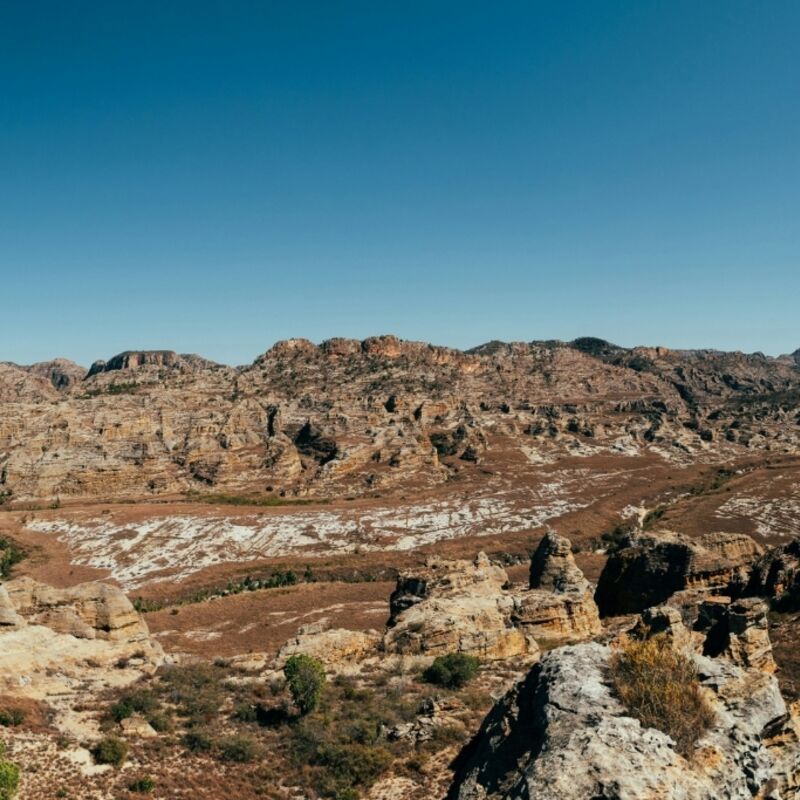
[561, 734]
[332, 646]
[63, 645]
[559, 603]
[148, 423]
[86, 611]
[776, 575]
[653, 567]
[738, 631]
[456, 606]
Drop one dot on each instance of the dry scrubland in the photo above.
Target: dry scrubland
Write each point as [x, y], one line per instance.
[330, 502]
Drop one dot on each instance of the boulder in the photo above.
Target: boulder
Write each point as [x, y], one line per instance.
[561, 734]
[655, 566]
[87, 611]
[330, 645]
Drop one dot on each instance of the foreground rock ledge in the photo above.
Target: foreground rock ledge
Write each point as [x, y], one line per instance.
[561, 735]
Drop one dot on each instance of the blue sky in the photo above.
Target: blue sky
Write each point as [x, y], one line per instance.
[212, 177]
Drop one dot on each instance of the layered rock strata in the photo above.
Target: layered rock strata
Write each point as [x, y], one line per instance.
[653, 567]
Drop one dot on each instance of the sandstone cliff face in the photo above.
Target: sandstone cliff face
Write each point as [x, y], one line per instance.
[355, 416]
[656, 566]
[561, 734]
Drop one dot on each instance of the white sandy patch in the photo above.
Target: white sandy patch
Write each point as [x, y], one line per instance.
[183, 544]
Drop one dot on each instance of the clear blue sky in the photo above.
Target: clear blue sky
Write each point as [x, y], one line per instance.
[212, 177]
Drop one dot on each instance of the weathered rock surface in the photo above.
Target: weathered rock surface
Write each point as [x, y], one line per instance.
[64, 645]
[458, 606]
[561, 734]
[738, 631]
[386, 411]
[559, 603]
[776, 575]
[87, 611]
[332, 646]
[455, 606]
[655, 566]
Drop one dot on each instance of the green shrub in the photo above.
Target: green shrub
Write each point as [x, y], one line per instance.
[659, 687]
[9, 776]
[141, 702]
[198, 741]
[305, 677]
[452, 671]
[143, 785]
[241, 749]
[110, 750]
[246, 712]
[11, 717]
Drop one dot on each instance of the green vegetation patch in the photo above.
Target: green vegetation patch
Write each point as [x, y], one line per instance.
[452, 671]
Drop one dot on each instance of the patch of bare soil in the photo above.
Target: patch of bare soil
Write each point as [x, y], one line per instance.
[263, 620]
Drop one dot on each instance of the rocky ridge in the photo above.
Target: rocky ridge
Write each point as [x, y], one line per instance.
[352, 416]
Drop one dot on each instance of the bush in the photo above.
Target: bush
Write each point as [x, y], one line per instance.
[659, 687]
[196, 689]
[198, 741]
[305, 677]
[452, 671]
[241, 749]
[246, 712]
[11, 717]
[143, 785]
[110, 750]
[9, 776]
[142, 702]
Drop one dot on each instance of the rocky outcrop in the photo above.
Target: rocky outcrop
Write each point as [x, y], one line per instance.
[738, 631]
[559, 603]
[332, 646]
[132, 359]
[561, 734]
[87, 611]
[458, 606]
[776, 575]
[653, 567]
[455, 606]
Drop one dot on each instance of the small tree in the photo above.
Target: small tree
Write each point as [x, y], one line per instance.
[305, 677]
[452, 671]
[9, 776]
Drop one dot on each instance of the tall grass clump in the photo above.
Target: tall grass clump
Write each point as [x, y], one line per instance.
[659, 687]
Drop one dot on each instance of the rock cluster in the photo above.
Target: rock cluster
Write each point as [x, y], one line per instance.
[653, 567]
[458, 606]
[562, 733]
[455, 606]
